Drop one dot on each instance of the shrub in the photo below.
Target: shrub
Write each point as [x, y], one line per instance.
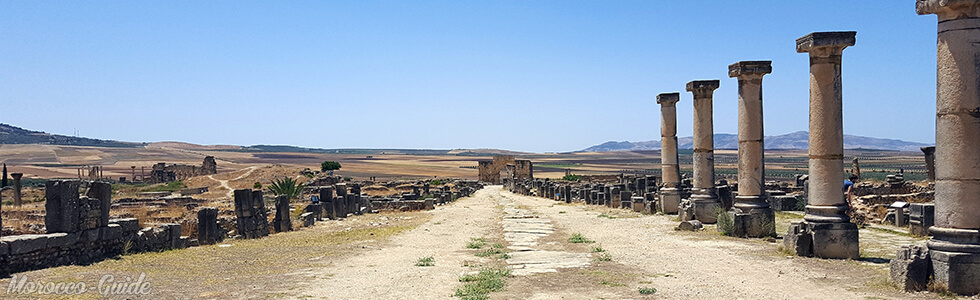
[329, 166]
[726, 225]
[257, 185]
[647, 291]
[572, 177]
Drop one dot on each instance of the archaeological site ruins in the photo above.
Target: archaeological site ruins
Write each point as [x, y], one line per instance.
[534, 216]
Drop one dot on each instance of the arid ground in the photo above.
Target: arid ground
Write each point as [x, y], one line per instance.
[440, 254]
[620, 253]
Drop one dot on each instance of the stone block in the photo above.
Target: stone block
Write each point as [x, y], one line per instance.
[113, 232]
[835, 240]
[759, 223]
[61, 239]
[430, 203]
[921, 217]
[308, 219]
[638, 206]
[798, 239]
[90, 235]
[690, 225]
[4, 248]
[959, 271]
[26, 243]
[783, 202]
[911, 267]
[670, 200]
[129, 225]
[626, 205]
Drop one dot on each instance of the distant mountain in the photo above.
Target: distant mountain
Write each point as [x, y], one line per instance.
[795, 140]
[16, 135]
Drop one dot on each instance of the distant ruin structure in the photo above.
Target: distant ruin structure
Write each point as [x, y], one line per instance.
[516, 169]
[162, 172]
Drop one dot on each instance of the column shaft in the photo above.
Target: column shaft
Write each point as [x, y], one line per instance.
[826, 196]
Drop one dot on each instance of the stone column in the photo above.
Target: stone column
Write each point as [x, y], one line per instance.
[704, 202]
[207, 226]
[833, 235]
[282, 222]
[17, 194]
[670, 194]
[955, 246]
[930, 156]
[751, 212]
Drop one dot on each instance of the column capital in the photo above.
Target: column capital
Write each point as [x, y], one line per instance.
[750, 68]
[949, 9]
[668, 98]
[835, 41]
[928, 150]
[16, 175]
[703, 88]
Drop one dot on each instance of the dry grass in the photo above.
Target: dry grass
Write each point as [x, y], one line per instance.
[246, 267]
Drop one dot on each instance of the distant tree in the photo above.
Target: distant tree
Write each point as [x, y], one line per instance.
[286, 186]
[329, 166]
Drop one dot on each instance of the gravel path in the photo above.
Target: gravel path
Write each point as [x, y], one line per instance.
[631, 251]
[390, 272]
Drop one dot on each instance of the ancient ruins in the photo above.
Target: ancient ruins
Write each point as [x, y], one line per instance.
[83, 223]
[490, 170]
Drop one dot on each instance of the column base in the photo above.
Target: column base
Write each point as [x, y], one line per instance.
[959, 271]
[823, 240]
[670, 199]
[701, 209]
[955, 255]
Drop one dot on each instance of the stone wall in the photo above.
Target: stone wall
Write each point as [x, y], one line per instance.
[162, 172]
[490, 170]
[80, 232]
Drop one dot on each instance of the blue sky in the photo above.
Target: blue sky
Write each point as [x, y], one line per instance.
[519, 75]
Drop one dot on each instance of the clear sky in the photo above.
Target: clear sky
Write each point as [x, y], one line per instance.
[519, 75]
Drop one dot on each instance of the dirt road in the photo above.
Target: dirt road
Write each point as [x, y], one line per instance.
[630, 252]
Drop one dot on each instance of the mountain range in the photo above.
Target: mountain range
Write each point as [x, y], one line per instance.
[795, 140]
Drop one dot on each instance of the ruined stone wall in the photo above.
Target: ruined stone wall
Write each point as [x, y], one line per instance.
[490, 170]
[162, 172]
[80, 232]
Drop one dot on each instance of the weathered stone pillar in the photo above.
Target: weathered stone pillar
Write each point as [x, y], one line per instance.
[670, 194]
[103, 192]
[704, 204]
[833, 235]
[4, 183]
[282, 221]
[61, 205]
[930, 156]
[207, 226]
[751, 212]
[17, 192]
[856, 169]
[327, 202]
[955, 246]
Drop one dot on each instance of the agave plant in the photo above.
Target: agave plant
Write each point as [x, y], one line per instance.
[286, 186]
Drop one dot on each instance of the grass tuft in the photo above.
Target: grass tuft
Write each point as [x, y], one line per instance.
[478, 286]
[647, 291]
[578, 238]
[427, 261]
[476, 243]
[598, 249]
